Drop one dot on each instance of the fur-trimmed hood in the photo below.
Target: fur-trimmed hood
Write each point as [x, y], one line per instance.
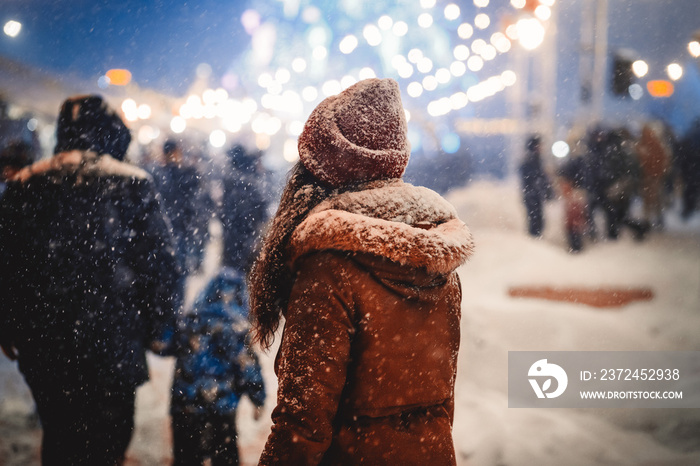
[86, 164]
[406, 224]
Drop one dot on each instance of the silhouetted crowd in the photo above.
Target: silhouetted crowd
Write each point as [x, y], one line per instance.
[610, 172]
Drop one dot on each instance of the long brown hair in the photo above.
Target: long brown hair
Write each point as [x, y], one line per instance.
[270, 279]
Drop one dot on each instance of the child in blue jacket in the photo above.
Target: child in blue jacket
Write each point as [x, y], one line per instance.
[215, 367]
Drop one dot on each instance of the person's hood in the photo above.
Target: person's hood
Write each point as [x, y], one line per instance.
[86, 163]
[408, 233]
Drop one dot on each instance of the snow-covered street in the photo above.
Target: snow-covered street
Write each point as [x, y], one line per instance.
[486, 431]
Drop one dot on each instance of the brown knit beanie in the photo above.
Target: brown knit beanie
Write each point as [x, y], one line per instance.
[357, 135]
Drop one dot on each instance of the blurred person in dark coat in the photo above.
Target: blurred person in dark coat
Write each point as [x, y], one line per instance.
[87, 280]
[244, 208]
[536, 186]
[180, 188]
[689, 169]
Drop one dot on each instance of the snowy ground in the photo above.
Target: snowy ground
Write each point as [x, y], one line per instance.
[487, 432]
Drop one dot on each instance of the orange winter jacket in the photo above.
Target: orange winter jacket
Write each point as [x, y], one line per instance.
[367, 363]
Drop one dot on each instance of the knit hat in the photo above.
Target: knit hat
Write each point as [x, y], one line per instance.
[87, 123]
[357, 135]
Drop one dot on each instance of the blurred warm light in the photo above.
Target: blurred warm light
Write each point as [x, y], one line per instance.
[231, 125]
[147, 134]
[262, 141]
[543, 12]
[348, 44]
[452, 12]
[508, 78]
[405, 70]
[443, 75]
[367, 73]
[547, 2]
[265, 79]
[319, 53]
[217, 138]
[475, 63]
[694, 48]
[385, 22]
[12, 28]
[674, 71]
[414, 55]
[309, 93]
[461, 52]
[481, 3]
[129, 106]
[512, 31]
[290, 152]
[457, 68]
[478, 45]
[178, 124]
[347, 81]
[660, 88]
[439, 107]
[299, 65]
[488, 52]
[465, 31]
[250, 19]
[430, 83]
[221, 95]
[415, 89]
[425, 65]
[331, 87]
[408, 115]
[482, 21]
[530, 33]
[425, 20]
[144, 112]
[640, 68]
[427, 3]
[397, 61]
[518, 3]
[458, 100]
[119, 77]
[283, 75]
[295, 127]
[400, 28]
[501, 42]
[209, 97]
[372, 35]
[560, 149]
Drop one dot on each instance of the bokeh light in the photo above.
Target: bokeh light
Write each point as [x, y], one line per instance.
[640, 68]
[12, 28]
[674, 71]
[560, 149]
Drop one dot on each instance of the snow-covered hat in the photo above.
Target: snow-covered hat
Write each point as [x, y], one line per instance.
[357, 135]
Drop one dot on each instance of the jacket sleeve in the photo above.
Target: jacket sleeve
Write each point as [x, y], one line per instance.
[8, 273]
[311, 364]
[154, 261]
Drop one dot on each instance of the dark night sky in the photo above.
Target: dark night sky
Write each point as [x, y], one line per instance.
[161, 42]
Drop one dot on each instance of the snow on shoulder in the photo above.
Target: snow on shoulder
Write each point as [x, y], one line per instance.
[392, 219]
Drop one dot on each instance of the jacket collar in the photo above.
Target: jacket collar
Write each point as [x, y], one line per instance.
[391, 219]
